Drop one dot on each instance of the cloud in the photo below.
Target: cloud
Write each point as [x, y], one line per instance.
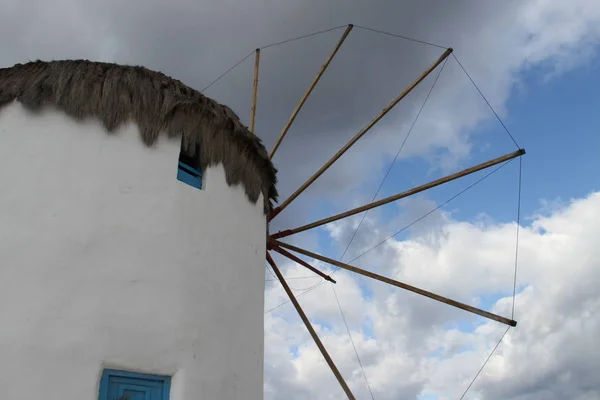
[412, 346]
[393, 331]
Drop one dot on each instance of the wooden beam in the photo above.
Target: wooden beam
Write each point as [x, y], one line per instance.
[300, 261]
[309, 91]
[360, 134]
[311, 330]
[401, 195]
[254, 90]
[401, 285]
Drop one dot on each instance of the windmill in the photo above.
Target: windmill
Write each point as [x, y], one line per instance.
[133, 272]
[276, 240]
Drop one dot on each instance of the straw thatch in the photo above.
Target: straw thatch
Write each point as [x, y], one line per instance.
[156, 103]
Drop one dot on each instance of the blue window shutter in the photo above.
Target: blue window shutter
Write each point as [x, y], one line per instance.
[121, 385]
[188, 167]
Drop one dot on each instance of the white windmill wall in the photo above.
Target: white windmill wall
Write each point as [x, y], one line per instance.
[107, 261]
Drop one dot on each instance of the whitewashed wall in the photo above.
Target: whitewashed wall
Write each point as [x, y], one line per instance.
[106, 260]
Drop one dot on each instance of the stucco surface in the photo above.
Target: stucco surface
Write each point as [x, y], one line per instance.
[106, 260]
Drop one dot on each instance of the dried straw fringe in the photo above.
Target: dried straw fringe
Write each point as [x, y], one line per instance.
[115, 93]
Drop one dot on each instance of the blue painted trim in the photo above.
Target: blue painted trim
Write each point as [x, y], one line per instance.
[189, 169]
[103, 395]
[115, 373]
[187, 178]
[189, 175]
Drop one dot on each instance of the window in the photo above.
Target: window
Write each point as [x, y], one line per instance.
[124, 385]
[188, 169]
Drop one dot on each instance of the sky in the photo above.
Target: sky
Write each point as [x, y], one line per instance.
[536, 62]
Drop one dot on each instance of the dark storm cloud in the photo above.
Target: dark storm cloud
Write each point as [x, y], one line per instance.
[197, 41]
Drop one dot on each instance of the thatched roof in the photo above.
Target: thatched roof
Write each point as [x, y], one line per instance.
[156, 103]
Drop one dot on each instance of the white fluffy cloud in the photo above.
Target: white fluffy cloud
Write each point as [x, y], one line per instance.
[413, 347]
[405, 342]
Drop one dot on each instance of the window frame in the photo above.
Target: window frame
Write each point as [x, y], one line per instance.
[188, 168]
[107, 373]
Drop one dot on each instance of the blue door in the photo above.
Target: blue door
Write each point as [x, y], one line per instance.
[124, 385]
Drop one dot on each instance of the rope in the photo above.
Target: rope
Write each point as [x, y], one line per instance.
[267, 46]
[401, 230]
[430, 212]
[226, 72]
[296, 290]
[400, 36]
[365, 215]
[517, 244]
[307, 36]
[484, 364]
[486, 101]
[294, 277]
[302, 37]
[352, 341]
[384, 179]
[394, 160]
[514, 281]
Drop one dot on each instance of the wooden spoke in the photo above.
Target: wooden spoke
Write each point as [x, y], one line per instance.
[402, 195]
[303, 263]
[401, 285]
[360, 134]
[254, 91]
[311, 330]
[309, 90]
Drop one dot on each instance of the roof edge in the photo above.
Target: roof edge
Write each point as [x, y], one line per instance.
[116, 94]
